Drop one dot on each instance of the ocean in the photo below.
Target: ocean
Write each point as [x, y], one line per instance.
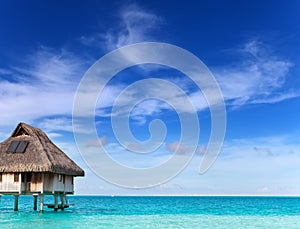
[155, 212]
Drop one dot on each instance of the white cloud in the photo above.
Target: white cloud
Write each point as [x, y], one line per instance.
[5, 72]
[240, 169]
[134, 147]
[247, 164]
[97, 142]
[266, 151]
[55, 124]
[272, 146]
[146, 108]
[259, 77]
[43, 86]
[150, 97]
[276, 97]
[54, 135]
[136, 24]
[130, 154]
[201, 149]
[176, 147]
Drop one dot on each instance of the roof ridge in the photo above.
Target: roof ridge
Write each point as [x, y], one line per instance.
[44, 148]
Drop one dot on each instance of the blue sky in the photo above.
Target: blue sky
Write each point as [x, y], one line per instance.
[251, 47]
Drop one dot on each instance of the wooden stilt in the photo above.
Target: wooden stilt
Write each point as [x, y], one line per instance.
[62, 201]
[35, 202]
[41, 203]
[55, 202]
[16, 202]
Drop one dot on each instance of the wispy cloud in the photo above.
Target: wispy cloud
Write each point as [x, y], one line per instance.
[97, 142]
[52, 67]
[146, 108]
[250, 165]
[136, 24]
[259, 77]
[272, 146]
[128, 155]
[134, 147]
[56, 124]
[45, 84]
[138, 99]
[176, 147]
[264, 150]
[201, 149]
[42, 85]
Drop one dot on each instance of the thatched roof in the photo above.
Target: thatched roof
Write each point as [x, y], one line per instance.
[40, 155]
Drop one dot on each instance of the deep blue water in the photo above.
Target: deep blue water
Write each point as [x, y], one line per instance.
[156, 212]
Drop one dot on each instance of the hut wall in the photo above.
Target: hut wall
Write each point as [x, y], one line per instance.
[69, 184]
[36, 184]
[48, 182]
[63, 183]
[8, 184]
[59, 185]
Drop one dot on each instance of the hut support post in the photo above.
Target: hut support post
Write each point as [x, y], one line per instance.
[62, 201]
[16, 203]
[55, 202]
[41, 203]
[35, 202]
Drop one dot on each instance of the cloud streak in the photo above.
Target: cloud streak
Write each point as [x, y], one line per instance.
[43, 85]
[272, 146]
[135, 25]
[259, 77]
[97, 142]
[176, 147]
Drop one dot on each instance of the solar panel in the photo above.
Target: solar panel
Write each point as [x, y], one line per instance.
[17, 146]
[21, 147]
[13, 146]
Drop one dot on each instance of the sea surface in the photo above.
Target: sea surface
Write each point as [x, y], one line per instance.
[155, 212]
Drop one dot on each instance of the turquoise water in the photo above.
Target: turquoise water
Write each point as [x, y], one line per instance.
[156, 212]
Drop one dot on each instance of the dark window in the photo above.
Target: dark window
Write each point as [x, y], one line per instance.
[72, 180]
[13, 146]
[21, 147]
[17, 146]
[28, 177]
[0, 177]
[16, 177]
[64, 178]
[22, 177]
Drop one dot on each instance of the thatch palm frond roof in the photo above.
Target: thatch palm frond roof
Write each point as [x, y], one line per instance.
[39, 155]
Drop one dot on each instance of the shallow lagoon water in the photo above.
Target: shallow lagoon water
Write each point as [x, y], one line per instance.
[155, 212]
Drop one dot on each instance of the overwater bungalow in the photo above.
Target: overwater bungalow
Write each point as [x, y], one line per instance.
[31, 164]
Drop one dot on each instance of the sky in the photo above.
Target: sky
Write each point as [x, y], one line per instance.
[251, 48]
